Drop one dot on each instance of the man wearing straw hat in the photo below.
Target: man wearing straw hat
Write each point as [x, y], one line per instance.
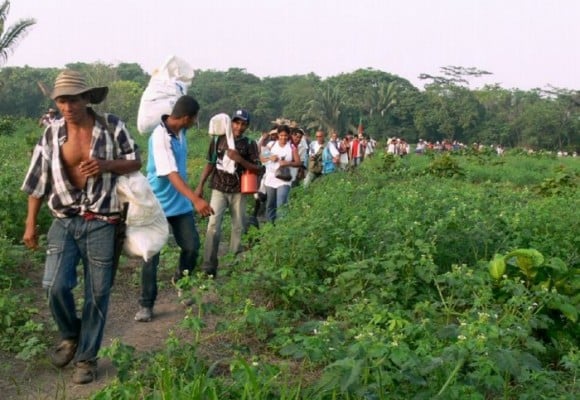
[74, 168]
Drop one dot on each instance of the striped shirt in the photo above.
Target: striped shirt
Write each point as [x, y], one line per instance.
[47, 177]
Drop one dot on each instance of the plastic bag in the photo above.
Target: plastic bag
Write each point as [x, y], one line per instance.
[167, 84]
[147, 229]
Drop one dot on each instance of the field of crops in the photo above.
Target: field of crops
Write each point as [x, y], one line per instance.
[440, 276]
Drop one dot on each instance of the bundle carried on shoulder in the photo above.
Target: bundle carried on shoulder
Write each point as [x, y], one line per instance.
[221, 125]
[167, 84]
[147, 230]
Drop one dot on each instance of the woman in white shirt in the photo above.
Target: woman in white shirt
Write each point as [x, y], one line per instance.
[282, 153]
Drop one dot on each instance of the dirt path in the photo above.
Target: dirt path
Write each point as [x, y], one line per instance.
[40, 380]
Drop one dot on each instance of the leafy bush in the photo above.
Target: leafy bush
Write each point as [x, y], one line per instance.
[444, 166]
[19, 333]
[377, 281]
[7, 125]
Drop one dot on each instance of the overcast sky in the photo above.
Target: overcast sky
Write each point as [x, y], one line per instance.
[524, 43]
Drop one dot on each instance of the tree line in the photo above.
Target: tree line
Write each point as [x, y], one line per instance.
[385, 104]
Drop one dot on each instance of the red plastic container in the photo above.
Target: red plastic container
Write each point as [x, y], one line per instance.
[249, 182]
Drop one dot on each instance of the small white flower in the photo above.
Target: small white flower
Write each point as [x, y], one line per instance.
[461, 337]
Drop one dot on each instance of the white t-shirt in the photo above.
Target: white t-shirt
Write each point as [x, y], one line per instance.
[270, 179]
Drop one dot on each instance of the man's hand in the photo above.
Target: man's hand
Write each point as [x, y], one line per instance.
[234, 155]
[30, 237]
[202, 207]
[199, 192]
[90, 167]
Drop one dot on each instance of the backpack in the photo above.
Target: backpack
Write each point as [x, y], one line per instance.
[315, 165]
[328, 165]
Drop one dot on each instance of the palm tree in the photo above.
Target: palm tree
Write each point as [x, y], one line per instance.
[324, 109]
[11, 35]
[382, 99]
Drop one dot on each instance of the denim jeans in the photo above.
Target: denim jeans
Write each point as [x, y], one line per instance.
[187, 238]
[71, 240]
[276, 198]
[220, 202]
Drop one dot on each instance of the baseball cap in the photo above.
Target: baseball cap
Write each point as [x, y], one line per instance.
[242, 114]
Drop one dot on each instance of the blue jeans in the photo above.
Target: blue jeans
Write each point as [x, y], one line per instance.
[276, 198]
[71, 240]
[220, 202]
[187, 238]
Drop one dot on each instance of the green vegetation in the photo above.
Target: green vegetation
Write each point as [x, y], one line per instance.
[386, 105]
[442, 276]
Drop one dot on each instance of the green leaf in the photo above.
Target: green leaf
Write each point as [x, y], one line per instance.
[558, 265]
[497, 267]
[567, 309]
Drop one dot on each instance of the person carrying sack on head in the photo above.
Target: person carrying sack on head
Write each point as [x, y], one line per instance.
[74, 168]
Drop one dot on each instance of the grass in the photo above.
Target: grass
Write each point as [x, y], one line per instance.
[376, 285]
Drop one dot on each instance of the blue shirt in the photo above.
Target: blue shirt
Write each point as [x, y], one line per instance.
[168, 153]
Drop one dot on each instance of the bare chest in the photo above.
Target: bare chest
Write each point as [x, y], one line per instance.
[74, 151]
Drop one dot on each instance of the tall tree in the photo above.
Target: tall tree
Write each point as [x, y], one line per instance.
[448, 112]
[324, 109]
[11, 35]
[456, 75]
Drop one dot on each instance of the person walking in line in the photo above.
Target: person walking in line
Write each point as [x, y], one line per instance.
[167, 174]
[315, 157]
[297, 138]
[74, 168]
[47, 118]
[228, 157]
[282, 154]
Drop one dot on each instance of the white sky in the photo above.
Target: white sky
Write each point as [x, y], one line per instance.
[524, 43]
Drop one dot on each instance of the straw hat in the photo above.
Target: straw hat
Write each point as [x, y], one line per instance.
[72, 83]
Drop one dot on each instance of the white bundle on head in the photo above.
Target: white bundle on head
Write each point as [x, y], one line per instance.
[220, 124]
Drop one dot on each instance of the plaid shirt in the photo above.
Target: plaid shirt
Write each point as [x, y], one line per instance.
[47, 178]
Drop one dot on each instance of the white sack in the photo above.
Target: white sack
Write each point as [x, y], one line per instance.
[147, 228]
[167, 84]
[219, 125]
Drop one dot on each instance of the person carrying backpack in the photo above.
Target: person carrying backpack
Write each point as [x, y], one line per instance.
[228, 156]
[315, 158]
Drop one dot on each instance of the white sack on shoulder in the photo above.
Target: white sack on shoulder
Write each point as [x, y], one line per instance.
[147, 228]
[219, 125]
[167, 84]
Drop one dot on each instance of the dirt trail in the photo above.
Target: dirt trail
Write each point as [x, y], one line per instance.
[40, 380]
